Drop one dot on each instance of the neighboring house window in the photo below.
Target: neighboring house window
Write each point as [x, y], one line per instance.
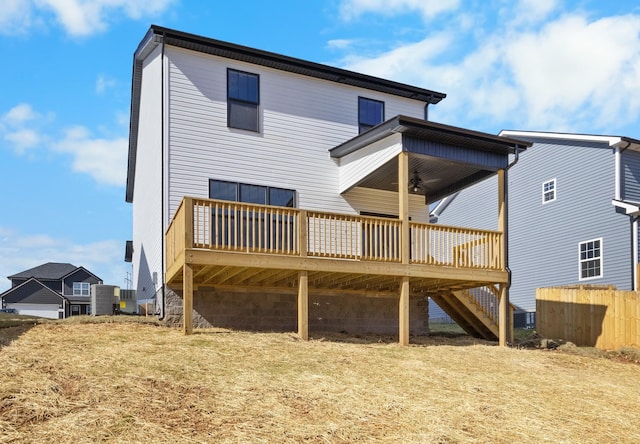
[81, 288]
[75, 310]
[243, 98]
[590, 259]
[370, 113]
[549, 191]
[258, 194]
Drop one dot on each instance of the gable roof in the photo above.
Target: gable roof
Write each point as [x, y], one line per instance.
[31, 291]
[51, 271]
[158, 35]
[48, 271]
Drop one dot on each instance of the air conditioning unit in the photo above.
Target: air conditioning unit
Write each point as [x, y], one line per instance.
[104, 299]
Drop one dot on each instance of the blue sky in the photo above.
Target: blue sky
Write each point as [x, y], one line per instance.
[539, 65]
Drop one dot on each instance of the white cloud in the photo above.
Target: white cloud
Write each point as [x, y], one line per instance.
[340, 43]
[77, 17]
[351, 9]
[568, 74]
[533, 11]
[407, 61]
[19, 252]
[15, 17]
[103, 83]
[19, 115]
[104, 159]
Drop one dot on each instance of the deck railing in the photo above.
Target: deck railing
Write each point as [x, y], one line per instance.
[252, 228]
[434, 244]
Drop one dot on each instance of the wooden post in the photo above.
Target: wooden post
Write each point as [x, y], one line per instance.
[405, 245]
[303, 224]
[188, 222]
[503, 308]
[187, 299]
[404, 311]
[403, 205]
[303, 305]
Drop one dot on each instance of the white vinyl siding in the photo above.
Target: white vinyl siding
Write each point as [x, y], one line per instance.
[147, 208]
[357, 165]
[301, 119]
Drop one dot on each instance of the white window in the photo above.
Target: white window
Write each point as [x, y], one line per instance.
[590, 259]
[549, 191]
[81, 288]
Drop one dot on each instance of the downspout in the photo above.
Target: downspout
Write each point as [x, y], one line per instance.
[162, 181]
[506, 216]
[633, 218]
[634, 252]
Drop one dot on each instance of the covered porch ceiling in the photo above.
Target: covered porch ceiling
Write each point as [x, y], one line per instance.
[442, 159]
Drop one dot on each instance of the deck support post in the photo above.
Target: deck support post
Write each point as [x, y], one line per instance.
[187, 299]
[503, 307]
[405, 244]
[404, 311]
[303, 305]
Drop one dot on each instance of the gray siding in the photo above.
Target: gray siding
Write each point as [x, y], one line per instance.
[544, 238]
[630, 176]
[32, 292]
[80, 275]
[474, 207]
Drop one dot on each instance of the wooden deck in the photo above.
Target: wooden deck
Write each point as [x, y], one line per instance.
[225, 244]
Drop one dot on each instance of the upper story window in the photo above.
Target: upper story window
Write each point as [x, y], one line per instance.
[590, 259]
[549, 191]
[243, 98]
[81, 288]
[370, 113]
[258, 194]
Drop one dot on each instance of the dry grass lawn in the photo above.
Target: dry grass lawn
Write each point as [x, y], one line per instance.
[71, 382]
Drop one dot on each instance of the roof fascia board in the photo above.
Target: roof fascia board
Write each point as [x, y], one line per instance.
[611, 140]
[286, 63]
[401, 124]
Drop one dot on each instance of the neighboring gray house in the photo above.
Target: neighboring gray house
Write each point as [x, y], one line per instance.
[574, 202]
[52, 290]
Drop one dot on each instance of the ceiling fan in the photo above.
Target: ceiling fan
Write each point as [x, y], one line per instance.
[416, 184]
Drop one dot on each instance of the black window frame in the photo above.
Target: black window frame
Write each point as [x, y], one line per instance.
[227, 238]
[242, 103]
[364, 125]
[238, 193]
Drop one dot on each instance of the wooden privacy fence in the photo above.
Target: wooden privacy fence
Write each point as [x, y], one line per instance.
[601, 317]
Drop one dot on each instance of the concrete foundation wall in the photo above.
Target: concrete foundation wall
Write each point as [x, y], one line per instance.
[278, 312]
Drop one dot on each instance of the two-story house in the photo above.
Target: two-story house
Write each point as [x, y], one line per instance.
[574, 202]
[52, 290]
[275, 193]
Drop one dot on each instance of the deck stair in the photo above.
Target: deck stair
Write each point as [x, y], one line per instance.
[469, 314]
